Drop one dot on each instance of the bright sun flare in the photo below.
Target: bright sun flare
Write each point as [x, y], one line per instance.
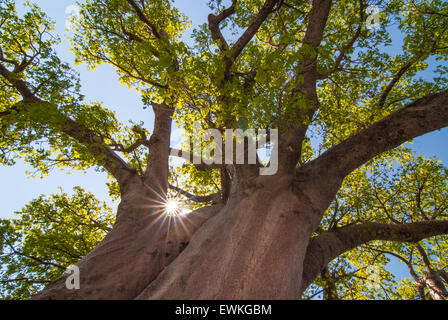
[172, 207]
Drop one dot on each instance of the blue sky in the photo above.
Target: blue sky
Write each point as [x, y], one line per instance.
[17, 189]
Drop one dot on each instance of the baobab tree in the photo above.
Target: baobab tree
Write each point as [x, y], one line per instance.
[308, 69]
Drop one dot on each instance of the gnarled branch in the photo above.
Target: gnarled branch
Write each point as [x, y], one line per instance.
[214, 21]
[113, 163]
[327, 246]
[427, 114]
[250, 32]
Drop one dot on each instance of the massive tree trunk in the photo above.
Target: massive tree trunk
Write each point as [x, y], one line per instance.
[251, 248]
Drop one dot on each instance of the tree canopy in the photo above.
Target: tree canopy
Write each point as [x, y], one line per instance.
[345, 97]
[46, 237]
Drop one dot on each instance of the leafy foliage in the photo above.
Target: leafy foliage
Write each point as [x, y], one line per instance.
[46, 237]
[363, 76]
[411, 191]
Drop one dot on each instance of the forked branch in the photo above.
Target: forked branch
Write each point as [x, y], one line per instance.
[327, 246]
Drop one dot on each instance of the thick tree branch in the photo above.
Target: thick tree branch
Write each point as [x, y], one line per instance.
[422, 116]
[156, 174]
[113, 163]
[424, 256]
[214, 21]
[327, 246]
[19, 85]
[250, 32]
[433, 282]
[290, 144]
[317, 21]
